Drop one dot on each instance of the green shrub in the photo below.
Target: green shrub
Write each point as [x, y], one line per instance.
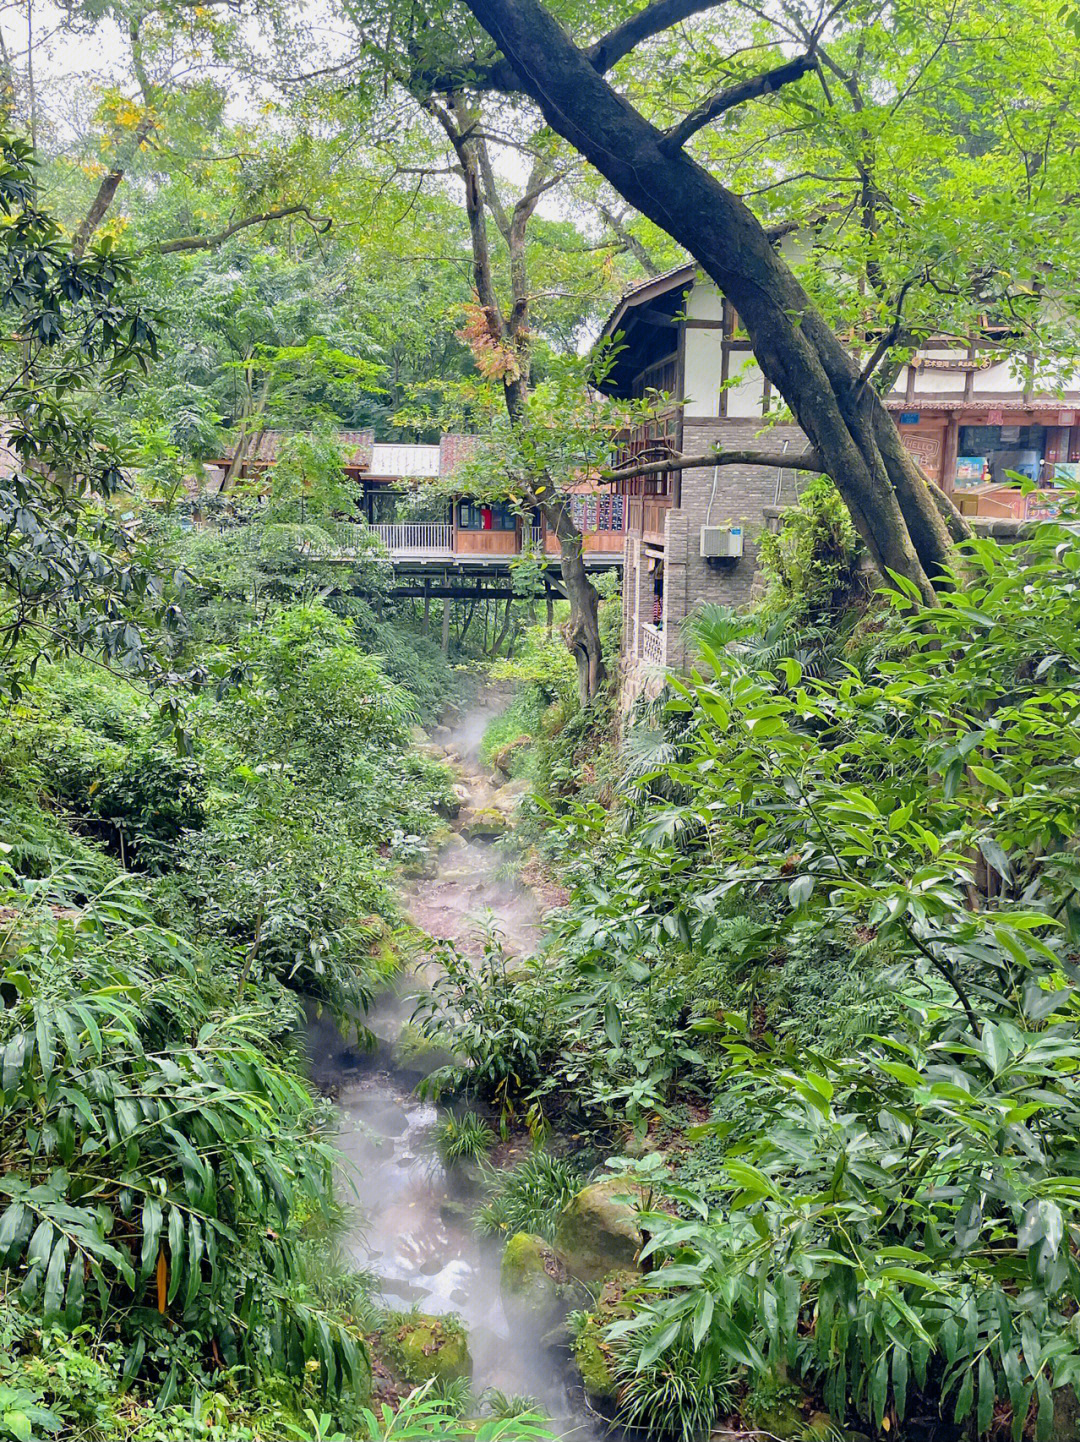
[464, 1139]
[528, 1197]
[813, 562]
[157, 1149]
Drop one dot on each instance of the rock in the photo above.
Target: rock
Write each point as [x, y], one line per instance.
[416, 1055]
[463, 794]
[508, 796]
[530, 1281]
[419, 735]
[428, 1347]
[504, 758]
[597, 1234]
[453, 1214]
[483, 825]
[441, 733]
[432, 752]
[593, 1363]
[454, 844]
[449, 805]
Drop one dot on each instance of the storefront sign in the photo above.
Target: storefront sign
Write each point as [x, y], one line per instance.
[953, 363]
[925, 447]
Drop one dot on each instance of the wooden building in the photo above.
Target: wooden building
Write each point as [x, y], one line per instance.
[960, 409]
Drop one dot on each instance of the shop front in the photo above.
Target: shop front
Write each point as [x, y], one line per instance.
[977, 454]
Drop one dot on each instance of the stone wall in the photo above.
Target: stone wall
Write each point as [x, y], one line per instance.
[741, 496]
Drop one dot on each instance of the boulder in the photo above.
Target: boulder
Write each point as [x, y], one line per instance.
[415, 1055]
[441, 733]
[530, 1280]
[592, 1361]
[483, 825]
[427, 1347]
[453, 845]
[508, 796]
[597, 1232]
[431, 751]
[505, 757]
[419, 735]
[463, 794]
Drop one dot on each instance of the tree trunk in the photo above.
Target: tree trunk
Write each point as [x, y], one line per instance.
[446, 605]
[582, 630]
[501, 637]
[889, 499]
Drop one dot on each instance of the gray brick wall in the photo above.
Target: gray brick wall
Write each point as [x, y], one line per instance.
[741, 496]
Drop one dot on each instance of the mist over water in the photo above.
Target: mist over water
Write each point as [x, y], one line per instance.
[412, 1224]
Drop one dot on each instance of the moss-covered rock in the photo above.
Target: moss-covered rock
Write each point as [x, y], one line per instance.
[483, 824]
[510, 755]
[593, 1362]
[597, 1232]
[531, 1278]
[424, 1347]
[416, 1055]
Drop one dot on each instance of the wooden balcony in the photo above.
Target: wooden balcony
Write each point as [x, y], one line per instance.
[645, 516]
[437, 541]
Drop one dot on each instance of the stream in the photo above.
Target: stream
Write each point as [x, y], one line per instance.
[412, 1226]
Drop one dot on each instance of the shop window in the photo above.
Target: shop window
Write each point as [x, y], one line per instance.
[987, 453]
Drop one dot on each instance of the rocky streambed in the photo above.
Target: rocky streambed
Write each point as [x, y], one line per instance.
[489, 1309]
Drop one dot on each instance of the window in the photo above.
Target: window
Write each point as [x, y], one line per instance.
[986, 453]
[485, 516]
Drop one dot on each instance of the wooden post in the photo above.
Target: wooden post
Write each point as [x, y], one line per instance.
[427, 606]
[949, 452]
[447, 603]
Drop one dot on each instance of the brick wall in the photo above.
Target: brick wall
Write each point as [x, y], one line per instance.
[741, 497]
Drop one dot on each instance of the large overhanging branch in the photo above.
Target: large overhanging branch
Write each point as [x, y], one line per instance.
[319, 223]
[751, 89]
[661, 15]
[602, 54]
[807, 460]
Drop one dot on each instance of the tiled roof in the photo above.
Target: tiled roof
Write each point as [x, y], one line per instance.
[358, 457]
[645, 289]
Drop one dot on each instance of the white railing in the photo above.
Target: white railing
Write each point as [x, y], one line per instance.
[652, 644]
[422, 536]
[533, 537]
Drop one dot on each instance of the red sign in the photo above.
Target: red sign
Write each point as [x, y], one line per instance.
[995, 418]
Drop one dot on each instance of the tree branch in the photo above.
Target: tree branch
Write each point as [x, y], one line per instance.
[807, 460]
[642, 25]
[602, 54]
[319, 223]
[750, 89]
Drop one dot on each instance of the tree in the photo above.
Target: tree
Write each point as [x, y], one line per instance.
[907, 524]
[500, 337]
[70, 573]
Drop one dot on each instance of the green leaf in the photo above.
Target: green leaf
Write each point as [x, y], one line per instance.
[965, 1396]
[703, 1314]
[987, 1397]
[151, 1226]
[1044, 1421]
[53, 1303]
[900, 1379]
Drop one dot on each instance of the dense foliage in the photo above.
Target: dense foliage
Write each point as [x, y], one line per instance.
[839, 915]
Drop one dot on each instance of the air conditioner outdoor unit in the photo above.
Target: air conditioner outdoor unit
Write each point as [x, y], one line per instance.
[718, 542]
